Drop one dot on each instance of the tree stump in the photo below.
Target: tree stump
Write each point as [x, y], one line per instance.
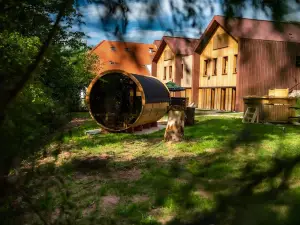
[175, 126]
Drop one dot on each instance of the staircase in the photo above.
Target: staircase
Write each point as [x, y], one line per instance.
[295, 87]
[251, 115]
[278, 107]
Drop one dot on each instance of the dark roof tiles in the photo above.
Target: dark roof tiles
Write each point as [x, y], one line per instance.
[178, 45]
[251, 29]
[181, 45]
[260, 29]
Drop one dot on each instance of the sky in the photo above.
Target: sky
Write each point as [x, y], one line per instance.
[141, 29]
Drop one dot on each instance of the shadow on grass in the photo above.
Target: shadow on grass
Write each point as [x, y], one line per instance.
[182, 190]
[232, 185]
[224, 132]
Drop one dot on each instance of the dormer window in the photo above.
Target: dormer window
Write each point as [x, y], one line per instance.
[113, 48]
[151, 50]
[127, 49]
[112, 63]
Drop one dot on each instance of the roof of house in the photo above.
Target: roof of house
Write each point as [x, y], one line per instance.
[252, 29]
[178, 45]
[157, 42]
[128, 56]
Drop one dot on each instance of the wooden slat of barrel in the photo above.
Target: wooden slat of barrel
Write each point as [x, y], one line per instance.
[152, 112]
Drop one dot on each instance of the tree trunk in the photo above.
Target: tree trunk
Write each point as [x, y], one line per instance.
[175, 127]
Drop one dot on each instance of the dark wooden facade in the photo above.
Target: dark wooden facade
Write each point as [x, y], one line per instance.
[265, 65]
[195, 77]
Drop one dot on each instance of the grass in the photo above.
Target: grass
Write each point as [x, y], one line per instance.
[224, 172]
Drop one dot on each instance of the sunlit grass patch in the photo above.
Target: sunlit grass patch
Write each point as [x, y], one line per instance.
[112, 177]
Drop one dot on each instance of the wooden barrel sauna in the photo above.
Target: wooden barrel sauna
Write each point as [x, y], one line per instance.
[118, 100]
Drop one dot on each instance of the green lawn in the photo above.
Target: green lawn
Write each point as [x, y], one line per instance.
[225, 172]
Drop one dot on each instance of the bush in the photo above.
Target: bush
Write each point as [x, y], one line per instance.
[46, 102]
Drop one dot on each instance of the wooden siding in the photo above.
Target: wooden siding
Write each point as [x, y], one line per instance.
[166, 63]
[178, 68]
[218, 98]
[181, 77]
[186, 80]
[209, 53]
[185, 94]
[264, 65]
[188, 95]
[220, 41]
[178, 72]
[154, 69]
[195, 77]
[168, 54]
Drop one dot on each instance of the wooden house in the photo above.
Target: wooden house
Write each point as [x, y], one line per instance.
[240, 57]
[173, 62]
[131, 57]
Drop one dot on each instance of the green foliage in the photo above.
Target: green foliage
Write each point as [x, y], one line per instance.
[46, 101]
[53, 92]
[17, 53]
[26, 48]
[66, 73]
